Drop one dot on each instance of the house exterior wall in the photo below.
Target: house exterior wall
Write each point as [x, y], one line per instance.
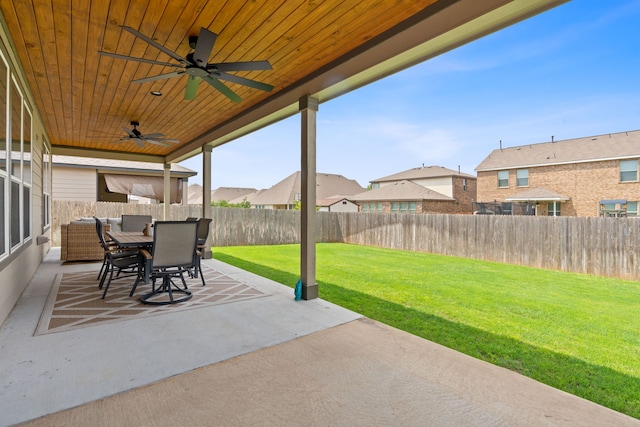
[74, 184]
[442, 185]
[19, 262]
[465, 191]
[437, 206]
[584, 183]
[452, 186]
[342, 206]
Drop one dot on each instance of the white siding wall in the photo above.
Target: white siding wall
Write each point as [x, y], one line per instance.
[344, 206]
[74, 184]
[443, 185]
[17, 270]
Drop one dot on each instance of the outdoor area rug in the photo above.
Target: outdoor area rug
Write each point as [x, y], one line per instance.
[75, 300]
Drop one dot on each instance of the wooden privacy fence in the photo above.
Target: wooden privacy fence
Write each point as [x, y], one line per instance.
[594, 245]
[66, 211]
[600, 246]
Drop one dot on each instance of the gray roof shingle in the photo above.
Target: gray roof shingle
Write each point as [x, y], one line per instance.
[593, 148]
[285, 191]
[423, 172]
[402, 191]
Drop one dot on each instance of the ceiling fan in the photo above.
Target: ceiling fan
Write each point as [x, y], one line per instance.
[197, 67]
[139, 138]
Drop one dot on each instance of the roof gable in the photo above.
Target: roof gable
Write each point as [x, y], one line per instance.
[403, 190]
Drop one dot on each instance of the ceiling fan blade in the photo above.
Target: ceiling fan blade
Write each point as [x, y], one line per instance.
[192, 88]
[129, 132]
[146, 61]
[204, 46]
[155, 44]
[139, 143]
[241, 66]
[222, 88]
[152, 135]
[158, 77]
[156, 142]
[244, 81]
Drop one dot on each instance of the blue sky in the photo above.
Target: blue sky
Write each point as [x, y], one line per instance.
[570, 72]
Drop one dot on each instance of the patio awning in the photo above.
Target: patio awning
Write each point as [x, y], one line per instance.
[538, 195]
[151, 187]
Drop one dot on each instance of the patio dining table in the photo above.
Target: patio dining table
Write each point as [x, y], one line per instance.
[134, 239]
[131, 239]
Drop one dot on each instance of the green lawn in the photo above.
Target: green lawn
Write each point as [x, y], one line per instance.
[575, 332]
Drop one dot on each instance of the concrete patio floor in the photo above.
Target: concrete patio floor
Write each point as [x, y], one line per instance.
[266, 361]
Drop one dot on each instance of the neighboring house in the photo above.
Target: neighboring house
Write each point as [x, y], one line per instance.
[427, 189]
[222, 193]
[103, 180]
[336, 204]
[570, 177]
[286, 193]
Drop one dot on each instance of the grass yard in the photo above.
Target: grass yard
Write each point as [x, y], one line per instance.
[575, 332]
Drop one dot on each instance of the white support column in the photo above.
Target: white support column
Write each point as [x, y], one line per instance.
[308, 108]
[167, 191]
[206, 192]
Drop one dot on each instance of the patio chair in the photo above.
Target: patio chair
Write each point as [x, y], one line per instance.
[203, 233]
[109, 242]
[116, 259]
[135, 222]
[173, 255]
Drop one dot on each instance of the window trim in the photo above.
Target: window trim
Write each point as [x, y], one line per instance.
[629, 162]
[519, 178]
[506, 181]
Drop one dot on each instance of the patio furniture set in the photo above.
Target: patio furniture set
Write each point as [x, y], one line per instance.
[150, 251]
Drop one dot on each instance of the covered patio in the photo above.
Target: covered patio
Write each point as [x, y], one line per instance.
[268, 360]
[80, 75]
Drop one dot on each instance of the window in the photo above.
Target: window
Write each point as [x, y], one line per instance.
[522, 177]
[503, 179]
[632, 208]
[553, 209]
[4, 226]
[628, 170]
[15, 162]
[412, 206]
[375, 185]
[372, 207]
[46, 186]
[464, 184]
[395, 207]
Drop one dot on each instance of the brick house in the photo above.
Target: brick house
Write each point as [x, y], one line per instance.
[427, 189]
[569, 178]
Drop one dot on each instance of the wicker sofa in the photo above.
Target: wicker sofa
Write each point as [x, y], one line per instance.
[79, 242]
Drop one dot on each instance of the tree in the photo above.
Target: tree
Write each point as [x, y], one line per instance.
[225, 204]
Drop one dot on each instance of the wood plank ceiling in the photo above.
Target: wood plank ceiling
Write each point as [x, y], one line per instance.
[85, 98]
